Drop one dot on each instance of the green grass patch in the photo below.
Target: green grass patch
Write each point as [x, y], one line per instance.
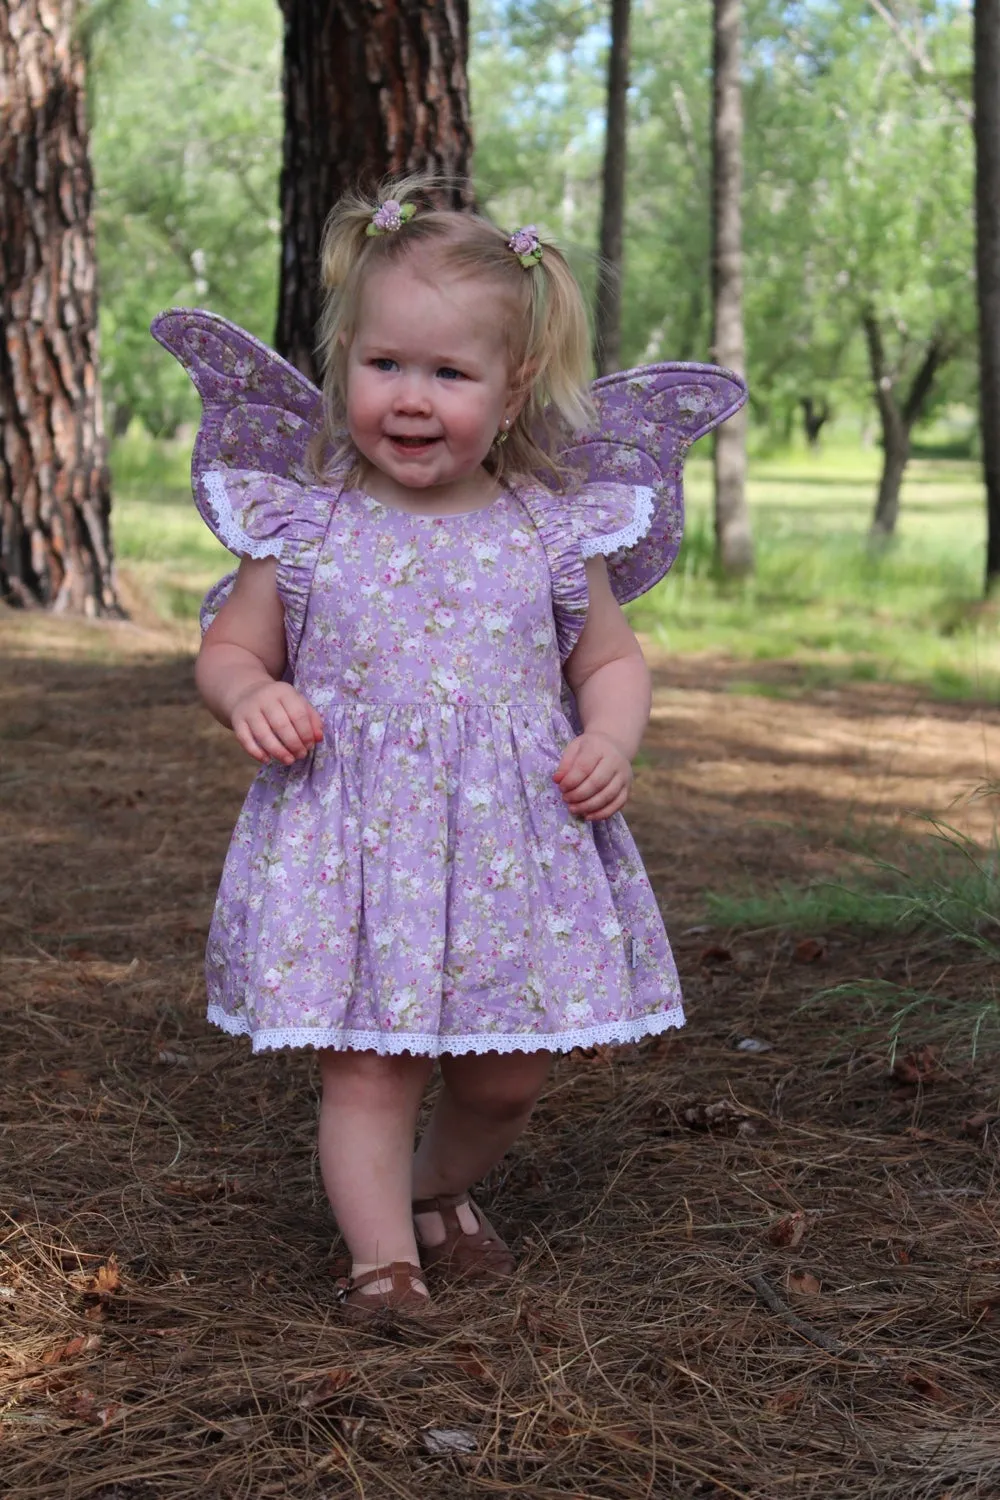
[909, 613]
[170, 554]
[949, 892]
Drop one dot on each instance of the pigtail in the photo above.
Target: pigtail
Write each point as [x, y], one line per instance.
[556, 370]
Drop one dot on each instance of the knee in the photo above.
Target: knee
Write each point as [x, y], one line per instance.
[498, 1100]
[365, 1074]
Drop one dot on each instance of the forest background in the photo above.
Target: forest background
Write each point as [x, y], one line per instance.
[858, 215]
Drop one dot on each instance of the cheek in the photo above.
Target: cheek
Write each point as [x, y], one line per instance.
[474, 423]
[362, 401]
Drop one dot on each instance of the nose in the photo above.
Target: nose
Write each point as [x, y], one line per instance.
[412, 396]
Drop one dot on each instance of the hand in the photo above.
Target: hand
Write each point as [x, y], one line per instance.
[274, 722]
[594, 776]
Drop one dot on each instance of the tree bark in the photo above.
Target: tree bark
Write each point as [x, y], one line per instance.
[986, 96]
[371, 87]
[897, 420]
[733, 539]
[55, 495]
[815, 415]
[608, 305]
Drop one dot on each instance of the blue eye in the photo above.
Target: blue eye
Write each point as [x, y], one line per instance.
[384, 364]
[446, 372]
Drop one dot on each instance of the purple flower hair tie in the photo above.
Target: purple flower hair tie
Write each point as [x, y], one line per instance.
[390, 216]
[526, 246]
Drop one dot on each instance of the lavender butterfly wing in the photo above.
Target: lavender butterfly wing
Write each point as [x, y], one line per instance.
[258, 412]
[648, 418]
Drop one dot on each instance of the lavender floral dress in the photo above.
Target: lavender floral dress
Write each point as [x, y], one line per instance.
[417, 884]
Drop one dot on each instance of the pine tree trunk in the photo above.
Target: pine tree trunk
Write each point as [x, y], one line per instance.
[371, 87]
[733, 540]
[55, 497]
[987, 131]
[608, 308]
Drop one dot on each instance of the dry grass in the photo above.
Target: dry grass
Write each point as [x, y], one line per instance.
[801, 1300]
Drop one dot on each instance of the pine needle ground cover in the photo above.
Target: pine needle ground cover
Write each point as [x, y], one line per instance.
[759, 1258]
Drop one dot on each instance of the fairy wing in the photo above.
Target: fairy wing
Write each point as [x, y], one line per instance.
[648, 418]
[258, 411]
[249, 471]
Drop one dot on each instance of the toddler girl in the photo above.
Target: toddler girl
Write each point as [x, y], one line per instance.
[423, 649]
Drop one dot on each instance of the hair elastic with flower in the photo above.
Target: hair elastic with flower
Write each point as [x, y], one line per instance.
[526, 246]
[390, 216]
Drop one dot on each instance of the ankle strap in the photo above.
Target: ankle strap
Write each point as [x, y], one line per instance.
[402, 1273]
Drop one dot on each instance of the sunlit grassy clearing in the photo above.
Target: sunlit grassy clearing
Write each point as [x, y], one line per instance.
[818, 598]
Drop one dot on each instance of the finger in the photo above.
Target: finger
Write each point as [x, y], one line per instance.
[268, 740]
[282, 724]
[601, 799]
[315, 724]
[306, 721]
[249, 744]
[569, 756]
[601, 776]
[608, 812]
[585, 767]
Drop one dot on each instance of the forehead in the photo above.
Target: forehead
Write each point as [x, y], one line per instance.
[430, 305]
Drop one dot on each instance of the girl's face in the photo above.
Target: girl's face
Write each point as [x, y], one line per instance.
[428, 385]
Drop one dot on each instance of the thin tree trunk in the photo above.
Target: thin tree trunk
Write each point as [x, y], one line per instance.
[371, 87]
[815, 415]
[55, 497]
[733, 540]
[986, 94]
[897, 420]
[608, 307]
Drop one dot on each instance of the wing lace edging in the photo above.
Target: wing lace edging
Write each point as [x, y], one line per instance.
[625, 536]
[229, 531]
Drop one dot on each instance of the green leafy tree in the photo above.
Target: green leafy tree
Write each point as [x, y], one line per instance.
[186, 106]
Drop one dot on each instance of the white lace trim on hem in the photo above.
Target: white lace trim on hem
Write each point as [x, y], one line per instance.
[390, 1043]
[230, 532]
[626, 536]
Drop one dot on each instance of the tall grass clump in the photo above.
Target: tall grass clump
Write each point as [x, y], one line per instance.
[945, 900]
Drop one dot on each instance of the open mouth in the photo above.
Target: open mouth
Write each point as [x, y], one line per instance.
[414, 442]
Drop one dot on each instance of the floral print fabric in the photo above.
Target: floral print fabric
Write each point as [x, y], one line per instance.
[417, 884]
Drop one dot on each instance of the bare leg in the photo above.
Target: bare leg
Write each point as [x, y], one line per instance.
[367, 1122]
[484, 1105]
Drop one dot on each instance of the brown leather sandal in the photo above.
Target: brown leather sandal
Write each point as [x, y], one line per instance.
[481, 1256]
[358, 1305]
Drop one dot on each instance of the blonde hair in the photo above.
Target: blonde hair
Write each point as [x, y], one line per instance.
[541, 308]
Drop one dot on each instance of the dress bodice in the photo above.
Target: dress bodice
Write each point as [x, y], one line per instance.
[409, 608]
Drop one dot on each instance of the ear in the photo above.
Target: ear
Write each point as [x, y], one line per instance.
[519, 390]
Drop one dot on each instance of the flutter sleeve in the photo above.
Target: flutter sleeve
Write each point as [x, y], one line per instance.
[257, 514]
[604, 519]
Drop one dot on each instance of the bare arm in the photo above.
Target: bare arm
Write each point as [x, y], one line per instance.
[239, 668]
[611, 682]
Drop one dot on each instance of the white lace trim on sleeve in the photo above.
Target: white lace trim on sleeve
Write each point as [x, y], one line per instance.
[626, 536]
[230, 532]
